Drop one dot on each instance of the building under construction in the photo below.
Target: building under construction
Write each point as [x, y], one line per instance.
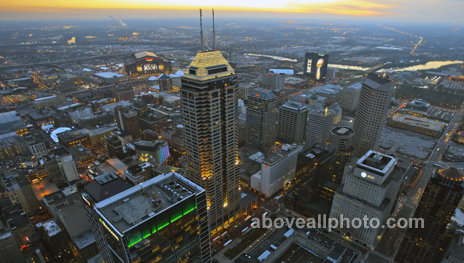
[146, 63]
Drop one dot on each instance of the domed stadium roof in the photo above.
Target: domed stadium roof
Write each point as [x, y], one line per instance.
[451, 173]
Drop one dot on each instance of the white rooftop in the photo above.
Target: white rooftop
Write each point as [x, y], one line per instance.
[281, 71]
[108, 75]
[51, 227]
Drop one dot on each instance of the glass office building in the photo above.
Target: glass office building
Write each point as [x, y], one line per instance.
[161, 220]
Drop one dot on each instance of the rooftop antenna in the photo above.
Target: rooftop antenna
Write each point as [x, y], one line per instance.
[214, 34]
[201, 34]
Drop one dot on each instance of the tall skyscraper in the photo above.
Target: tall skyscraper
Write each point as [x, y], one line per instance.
[350, 96]
[369, 188]
[371, 113]
[439, 201]
[164, 219]
[292, 121]
[210, 111]
[320, 122]
[261, 119]
[340, 139]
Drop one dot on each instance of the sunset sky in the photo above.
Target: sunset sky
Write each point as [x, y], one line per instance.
[449, 11]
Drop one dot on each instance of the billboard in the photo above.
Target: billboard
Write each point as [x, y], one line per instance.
[316, 65]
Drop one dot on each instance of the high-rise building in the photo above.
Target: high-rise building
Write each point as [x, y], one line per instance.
[436, 207]
[165, 83]
[164, 219]
[9, 249]
[341, 138]
[261, 123]
[56, 240]
[18, 223]
[350, 96]
[60, 166]
[369, 188]
[32, 144]
[114, 146]
[292, 121]
[100, 189]
[128, 121]
[320, 122]
[371, 113]
[276, 170]
[20, 191]
[210, 111]
[272, 81]
[123, 93]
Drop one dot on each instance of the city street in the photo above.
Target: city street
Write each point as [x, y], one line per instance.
[392, 238]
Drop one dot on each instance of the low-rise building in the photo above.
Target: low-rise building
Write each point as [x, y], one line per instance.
[41, 117]
[157, 150]
[139, 173]
[81, 154]
[47, 102]
[417, 124]
[72, 138]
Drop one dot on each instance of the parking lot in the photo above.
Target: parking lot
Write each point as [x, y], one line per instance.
[407, 143]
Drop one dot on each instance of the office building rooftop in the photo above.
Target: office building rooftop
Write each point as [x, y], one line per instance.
[144, 201]
[208, 65]
[84, 239]
[276, 157]
[264, 94]
[51, 227]
[15, 216]
[377, 162]
[105, 186]
[374, 81]
[294, 105]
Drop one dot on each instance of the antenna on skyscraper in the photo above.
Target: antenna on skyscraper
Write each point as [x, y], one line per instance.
[201, 33]
[214, 34]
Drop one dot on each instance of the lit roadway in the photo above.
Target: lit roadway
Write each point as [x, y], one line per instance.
[391, 239]
[63, 60]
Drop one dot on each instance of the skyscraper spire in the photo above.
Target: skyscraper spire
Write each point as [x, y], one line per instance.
[201, 34]
[214, 34]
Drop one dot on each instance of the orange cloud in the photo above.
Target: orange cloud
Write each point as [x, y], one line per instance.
[334, 7]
